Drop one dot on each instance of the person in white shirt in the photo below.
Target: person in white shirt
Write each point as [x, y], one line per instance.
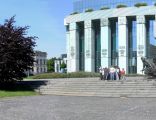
[100, 71]
[103, 74]
[112, 73]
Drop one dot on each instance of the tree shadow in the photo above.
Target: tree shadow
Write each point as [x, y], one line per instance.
[22, 86]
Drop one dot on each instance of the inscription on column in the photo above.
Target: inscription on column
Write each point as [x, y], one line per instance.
[72, 53]
[87, 53]
[140, 19]
[122, 51]
[104, 22]
[104, 52]
[88, 24]
[140, 50]
[122, 20]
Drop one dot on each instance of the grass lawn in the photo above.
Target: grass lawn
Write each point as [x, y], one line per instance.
[17, 90]
[4, 93]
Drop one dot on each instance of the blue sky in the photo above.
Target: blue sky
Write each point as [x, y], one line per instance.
[45, 18]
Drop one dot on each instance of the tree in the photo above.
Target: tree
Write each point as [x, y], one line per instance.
[63, 65]
[16, 51]
[51, 65]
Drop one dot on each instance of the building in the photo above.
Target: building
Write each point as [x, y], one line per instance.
[115, 33]
[40, 64]
[59, 61]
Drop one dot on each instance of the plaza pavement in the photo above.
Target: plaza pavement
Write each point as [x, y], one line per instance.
[77, 108]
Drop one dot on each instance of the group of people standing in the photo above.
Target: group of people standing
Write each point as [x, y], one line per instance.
[112, 73]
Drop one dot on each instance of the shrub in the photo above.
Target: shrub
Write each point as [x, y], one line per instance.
[154, 4]
[104, 8]
[65, 75]
[74, 13]
[89, 10]
[140, 4]
[63, 65]
[121, 6]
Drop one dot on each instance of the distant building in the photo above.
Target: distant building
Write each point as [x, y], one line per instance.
[59, 61]
[40, 64]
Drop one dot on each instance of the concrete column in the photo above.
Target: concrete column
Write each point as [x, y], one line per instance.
[123, 43]
[73, 48]
[141, 42]
[89, 47]
[68, 52]
[105, 43]
[154, 27]
[55, 64]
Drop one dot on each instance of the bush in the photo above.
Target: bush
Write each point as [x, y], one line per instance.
[89, 10]
[121, 6]
[104, 8]
[140, 4]
[74, 13]
[154, 4]
[63, 65]
[65, 75]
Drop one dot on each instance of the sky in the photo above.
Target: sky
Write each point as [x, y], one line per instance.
[45, 18]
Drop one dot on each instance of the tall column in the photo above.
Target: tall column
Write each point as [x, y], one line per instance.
[89, 47]
[72, 49]
[154, 27]
[105, 43]
[123, 43]
[68, 50]
[141, 42]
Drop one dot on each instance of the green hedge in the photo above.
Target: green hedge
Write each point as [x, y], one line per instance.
[140, 4]
[64, 75]
[121, 6]
[89, 10]
[104, 8]
[74, 13]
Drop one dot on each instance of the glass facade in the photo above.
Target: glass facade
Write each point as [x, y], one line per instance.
[114, 41]
[132, 46]
[97, 38]
[151, 42]
[80, 26]
[81, 5]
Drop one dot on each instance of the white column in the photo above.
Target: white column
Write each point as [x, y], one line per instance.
[123, 43]
[154, 27]
[141, 42]
[68, 52]
[55, 64]
[105, 43]
[89, 47]
[73, 49]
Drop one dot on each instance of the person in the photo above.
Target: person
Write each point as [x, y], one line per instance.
[116, 73]
[103, 74]
[106, 75]
[100, 71]
[112, 75]
[123, 74]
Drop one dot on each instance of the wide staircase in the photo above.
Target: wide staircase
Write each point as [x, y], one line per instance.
[131, 87]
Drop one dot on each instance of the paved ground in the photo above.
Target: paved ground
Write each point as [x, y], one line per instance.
[77, 108]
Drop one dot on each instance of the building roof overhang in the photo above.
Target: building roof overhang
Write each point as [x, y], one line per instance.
[111, 13]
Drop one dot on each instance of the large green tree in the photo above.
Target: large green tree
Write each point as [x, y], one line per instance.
[16, 51]
[51, 64]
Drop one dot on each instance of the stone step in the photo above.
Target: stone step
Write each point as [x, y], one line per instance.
[97, 87]
[103, 94]
[121, 90]
[100, 85]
